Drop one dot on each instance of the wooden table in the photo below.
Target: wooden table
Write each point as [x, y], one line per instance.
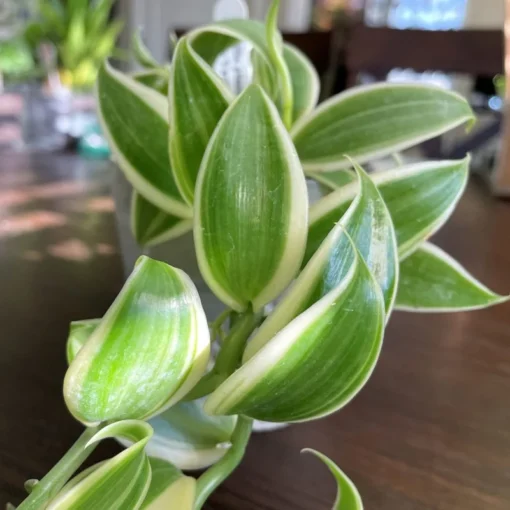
[429, 432]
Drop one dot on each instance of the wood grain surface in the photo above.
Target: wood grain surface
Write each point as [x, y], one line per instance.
[429, 432]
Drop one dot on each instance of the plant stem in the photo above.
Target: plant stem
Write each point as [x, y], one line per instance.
[215, 475]
[230, 355]
[47, 488]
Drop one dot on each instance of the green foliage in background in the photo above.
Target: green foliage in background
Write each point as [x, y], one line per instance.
[82, 33]
[308, 288]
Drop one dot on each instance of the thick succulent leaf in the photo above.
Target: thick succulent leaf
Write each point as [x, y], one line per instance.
[119, 483]
[150, 225]
[375, 120]
[251, 205]
[156, 79]
[135, 121]
[198, 99]
[188, 438]
[211, 40]
[279, 64]
[141, 52]
[335, 179]
[433, 281]
[348, 497]
[369, 225]
[169, 488]
[79, 333]
[420, 197]
[305, 81]
[321, 359]
[141, 359]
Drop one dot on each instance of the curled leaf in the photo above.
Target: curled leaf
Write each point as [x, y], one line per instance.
[420, 198]
[375, 120]
[251, 205]
[79, 333]
[148, 351]
[368, 223]
[432, 281]
[348, 497]
[120, 482]
[318, 362]
[211, 40]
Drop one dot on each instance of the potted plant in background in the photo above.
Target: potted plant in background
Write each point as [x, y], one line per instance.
[69, 41]
[336, 271]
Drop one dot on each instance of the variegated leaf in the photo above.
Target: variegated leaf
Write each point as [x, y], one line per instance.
[141, 359]
[432, 281]
[198, 99]
[120, 482]
[348, 497]
[251, 205]
[188, 438]
[368, 223]
[150, 225]
[321, 359]
[279, 64]
[305, 81]
[169, 488]
[375, 120]
[420, 197]
[211, 40]
[134, 118]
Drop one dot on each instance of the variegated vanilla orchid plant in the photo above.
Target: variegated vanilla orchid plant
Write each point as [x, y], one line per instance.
[233, 169]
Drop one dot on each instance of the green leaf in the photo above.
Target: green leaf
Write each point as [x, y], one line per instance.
[79, 333]
[368, 224]
[142, 54]
[335, 179]
[121, 482]
[318, 362]
[376, 120]
[149, 350]
[150, 225]
[305, 81]
[135, 121]
[251, 205]
[211, 40]
[156, 79]
[432, 281]
[420, 197]
[275, 48]
[188, 438]
[348, 497]
[169, 489]
[198, 99]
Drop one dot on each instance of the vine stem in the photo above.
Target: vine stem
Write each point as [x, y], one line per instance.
[219, 472]
[47, 488]
[230, 355]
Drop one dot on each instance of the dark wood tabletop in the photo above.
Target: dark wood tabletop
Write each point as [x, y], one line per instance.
[429, 432]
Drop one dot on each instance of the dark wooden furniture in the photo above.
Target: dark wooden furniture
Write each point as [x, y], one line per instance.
[429, 432]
